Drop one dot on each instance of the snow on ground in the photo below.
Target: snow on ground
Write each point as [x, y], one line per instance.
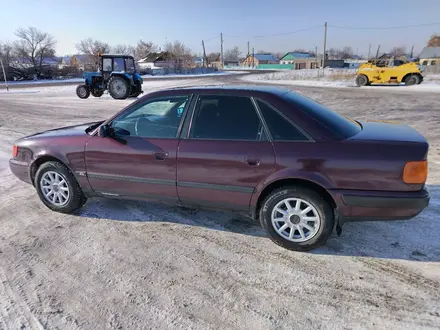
[337, 78]
[79, 80]
[131, 265]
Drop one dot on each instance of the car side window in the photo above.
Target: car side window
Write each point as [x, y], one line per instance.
[279, 127]
[222, 117]
[157, 118]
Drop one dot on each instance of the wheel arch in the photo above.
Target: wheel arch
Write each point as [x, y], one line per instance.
[291, 182]
[411, 73]
[40, 160]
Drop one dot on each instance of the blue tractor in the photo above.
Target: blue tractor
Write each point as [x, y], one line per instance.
[117, 74]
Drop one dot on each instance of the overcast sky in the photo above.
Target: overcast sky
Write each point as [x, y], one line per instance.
[267, 25]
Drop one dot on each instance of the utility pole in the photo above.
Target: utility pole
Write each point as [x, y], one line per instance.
[248, 49]
[205, 60]
[221, 49]
[412, 51]
[316, 56]
[253, 58]
[325, 45]
[4, 75]
[369, 52]
[377, 52]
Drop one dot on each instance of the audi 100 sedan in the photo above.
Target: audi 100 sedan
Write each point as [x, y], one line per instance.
[297, 167]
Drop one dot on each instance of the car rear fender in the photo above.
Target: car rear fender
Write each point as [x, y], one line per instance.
[289, 174]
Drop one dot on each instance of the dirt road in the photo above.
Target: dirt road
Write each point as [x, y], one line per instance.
[129, 265]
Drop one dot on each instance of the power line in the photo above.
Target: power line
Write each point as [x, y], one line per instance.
[211, 39]
[383, 28]
[276, 34]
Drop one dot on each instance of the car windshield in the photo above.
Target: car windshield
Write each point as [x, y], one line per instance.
[339, 124]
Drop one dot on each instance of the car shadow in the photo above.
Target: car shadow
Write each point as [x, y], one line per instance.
[415, 239]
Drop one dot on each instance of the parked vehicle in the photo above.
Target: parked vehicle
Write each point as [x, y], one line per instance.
[117, 74]
[388, 71]
[291, 163]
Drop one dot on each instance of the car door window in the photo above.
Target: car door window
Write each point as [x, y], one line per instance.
[222, 117]
[280, 128]
[157, 118]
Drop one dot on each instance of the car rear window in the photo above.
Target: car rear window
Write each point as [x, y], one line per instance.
[334, 121]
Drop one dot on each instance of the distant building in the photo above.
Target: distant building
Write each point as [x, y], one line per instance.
[300, 60]
[156, 61]
[256, 59]
[430, 56]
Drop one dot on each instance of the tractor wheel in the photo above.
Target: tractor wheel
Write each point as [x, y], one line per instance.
[97, 92]
[136, 90]
[83, 91]
[361, 80]
[412, 79]
[118, 88]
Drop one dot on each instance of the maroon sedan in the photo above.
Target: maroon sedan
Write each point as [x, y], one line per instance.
[287, 161]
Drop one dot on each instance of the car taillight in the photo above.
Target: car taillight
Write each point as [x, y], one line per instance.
[415, 172]
[14, 151]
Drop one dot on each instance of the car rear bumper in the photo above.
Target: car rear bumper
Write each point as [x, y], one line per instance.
[382, 206]
[20, 170]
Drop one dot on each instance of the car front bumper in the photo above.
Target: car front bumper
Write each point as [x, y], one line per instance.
[20, 170]
[379, 206]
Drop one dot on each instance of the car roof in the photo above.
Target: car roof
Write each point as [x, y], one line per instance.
[231, 88]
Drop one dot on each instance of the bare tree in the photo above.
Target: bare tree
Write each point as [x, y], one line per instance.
[123, 49]
[93, 47]
[213, 57]
[434, 41]
[332, 53]
[6, 52]
[278, 55]
[398, 51]
[177, 48]
[34, 45]
[180, 53]
[232, 54]
[6, 57]
[143, 48]
[345, 53]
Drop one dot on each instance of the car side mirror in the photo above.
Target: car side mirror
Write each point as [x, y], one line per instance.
[103, 131]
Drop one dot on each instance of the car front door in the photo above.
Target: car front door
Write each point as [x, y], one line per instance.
[138, 158]
[224, 154]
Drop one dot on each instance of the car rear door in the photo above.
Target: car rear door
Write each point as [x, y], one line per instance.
[223, 154]
[139, 160]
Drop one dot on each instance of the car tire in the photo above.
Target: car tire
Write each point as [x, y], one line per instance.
[361, 80]
[412, 79]
[83, 91]
[320, 218]
[70, 196]
[118, 88]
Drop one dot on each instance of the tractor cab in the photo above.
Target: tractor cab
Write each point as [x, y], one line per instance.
[117, 74]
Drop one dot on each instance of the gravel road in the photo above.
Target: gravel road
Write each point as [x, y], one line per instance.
[131, 265]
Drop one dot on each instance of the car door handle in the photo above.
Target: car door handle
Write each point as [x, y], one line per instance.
[160, 155]
[253, 161]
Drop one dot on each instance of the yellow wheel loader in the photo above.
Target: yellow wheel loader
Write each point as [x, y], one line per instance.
[388, 71]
